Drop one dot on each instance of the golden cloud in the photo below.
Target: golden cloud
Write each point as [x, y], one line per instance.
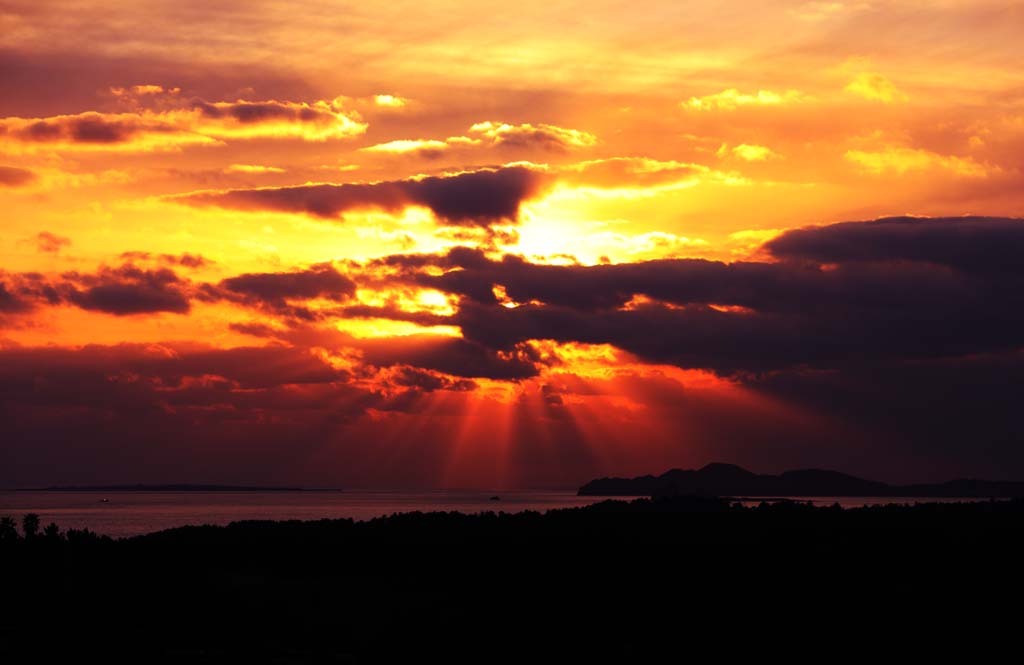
[189, 123]
[732, 99]
[874, 86]
[900, 160]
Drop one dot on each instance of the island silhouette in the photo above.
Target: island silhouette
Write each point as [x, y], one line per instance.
[719, 479]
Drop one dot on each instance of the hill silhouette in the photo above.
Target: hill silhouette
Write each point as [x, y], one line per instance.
[615, 582]
[718, 479]
[175, 487]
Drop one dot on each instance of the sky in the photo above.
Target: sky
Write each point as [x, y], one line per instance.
[443, 244]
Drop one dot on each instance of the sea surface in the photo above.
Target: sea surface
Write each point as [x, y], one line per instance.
[121, 513]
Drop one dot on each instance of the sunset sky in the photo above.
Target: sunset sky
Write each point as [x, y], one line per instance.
[454, 244]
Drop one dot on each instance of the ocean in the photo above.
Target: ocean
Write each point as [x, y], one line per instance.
[122, 513]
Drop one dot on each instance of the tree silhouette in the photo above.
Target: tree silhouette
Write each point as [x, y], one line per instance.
[8, 530]
[30, 525]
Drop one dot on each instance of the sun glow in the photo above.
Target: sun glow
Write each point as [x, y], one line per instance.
[445, 246]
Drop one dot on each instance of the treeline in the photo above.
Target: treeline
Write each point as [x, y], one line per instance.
[51, 534]
[649, 580]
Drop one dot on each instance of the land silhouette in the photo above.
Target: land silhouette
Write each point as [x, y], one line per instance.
[648, 580]
[719, 479]
[174, 487]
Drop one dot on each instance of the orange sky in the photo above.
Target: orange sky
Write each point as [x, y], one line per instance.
[181, 179]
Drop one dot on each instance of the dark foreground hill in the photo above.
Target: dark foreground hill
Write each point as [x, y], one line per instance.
[139, 487]
[668, 580]
[731, 480]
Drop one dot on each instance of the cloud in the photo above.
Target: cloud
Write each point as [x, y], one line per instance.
[412, 377]
[169, 122]
[429, 148]
[185, 260]
[732, 99]
[748, 152]
[127, 290]
[470, 198]
[901, 159]
[22, 292]
[390, 101]
[10, 301]
[899, 334]
[968, 244]
[11, 176]
[641, 175]
[254, 169]
[97, 131]
[132, 290]
[874, 86]
[318, 121]
[393, 313]
[153, 412]
[136, 91]
[49, 242]
[277, 291]
[135, 408]
[450, 355]
[653, 243]
[955, 416]
[478, 198]
[122, 291]
[847, 293]
[493, 134]
[548, 137]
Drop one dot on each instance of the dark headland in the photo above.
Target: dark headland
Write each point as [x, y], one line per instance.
[718, 479]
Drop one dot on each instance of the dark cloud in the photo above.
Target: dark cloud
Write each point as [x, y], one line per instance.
[12, 176]
[546, 137]
[855, 348]
[776, 287]
[472, 198]
[971, 244]
[21, 292]
[449, 355]
[163, 410]
[87, 128]
[255, 112]
[928, 299]
[393, 313]
[274, 414]
[159, 366]
[185, 260]
[434, 353]
[254, 329]
[151, 112]
[122, 291]
[49, 242]
[940, 418]
[412, 377]
[275, 291]
[10, 302]
[127, 290]
[318, 281]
